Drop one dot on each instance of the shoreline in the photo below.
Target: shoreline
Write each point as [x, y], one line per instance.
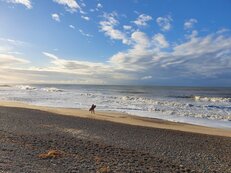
[123, 118]
[36, 139]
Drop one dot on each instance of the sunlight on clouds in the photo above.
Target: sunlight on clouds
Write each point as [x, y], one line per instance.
[9, 48]
[85, 18]
[146, 77]
[160, 41]
[99, 5]
[12, 41]
[146, 55]
[108, 27]
[213, 52]
[89, 71]
[145, 51]
[189, 23]
[203, 56]
[203, 45]
[140, 56]
[71, 5]
[72, 26]
[142, 20]
[5, 48]
[136, 58]
[55, 17]
[26, 3]
[10, 60]
[140, 38]
[127, 27]
[85, 34]
[79, 67]
[223, 30]
[164, 22]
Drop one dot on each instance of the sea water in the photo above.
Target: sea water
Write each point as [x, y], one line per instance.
[195, 105]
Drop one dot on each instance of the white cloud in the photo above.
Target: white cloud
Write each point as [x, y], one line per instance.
[142, 20]
[11, 46]
[141, 55]
[127, 27]
[15, 53]
[202, 45]
[26, 3]
[223, 30]
[202, 57]
[10, 60]
[13, 41]
[193, 34]
[70, 5]
[70, 65]
[99, 5]
[83, 70]
[71, 26]
[164, 22]
[55, 17]
[136, 58]
[85, 34]
[140, 39]
[108, 27]
[85, 18]
[196, 57]
[160, 41]
[190, 23]
[146, 77]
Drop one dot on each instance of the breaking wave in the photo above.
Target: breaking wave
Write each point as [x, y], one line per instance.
[47, 89]
[176, 107]
[26, 87]
[211, 99]
[183, 104]
[52, 89]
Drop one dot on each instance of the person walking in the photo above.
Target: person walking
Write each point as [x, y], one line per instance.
[92, 109]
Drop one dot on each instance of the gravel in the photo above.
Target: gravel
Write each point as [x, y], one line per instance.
[88, 145]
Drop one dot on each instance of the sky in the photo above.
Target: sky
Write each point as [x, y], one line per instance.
[108, 42]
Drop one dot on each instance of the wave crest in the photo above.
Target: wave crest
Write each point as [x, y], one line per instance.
[52, 89]
[26, 87]
[211, 99]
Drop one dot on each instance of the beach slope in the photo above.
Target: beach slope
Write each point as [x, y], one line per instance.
[105, 142]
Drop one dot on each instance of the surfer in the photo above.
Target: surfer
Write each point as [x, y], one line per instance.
[92, 109]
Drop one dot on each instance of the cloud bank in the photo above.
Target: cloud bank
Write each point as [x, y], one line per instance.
[148, 58]
[145, 57]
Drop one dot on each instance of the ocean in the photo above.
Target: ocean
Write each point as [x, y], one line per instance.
[194, 105]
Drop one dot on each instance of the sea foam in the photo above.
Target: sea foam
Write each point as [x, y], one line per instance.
[52, 89]
[173, 104]
[26, 87]
[211, 99]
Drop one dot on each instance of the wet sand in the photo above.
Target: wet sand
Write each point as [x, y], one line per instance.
[105, 142]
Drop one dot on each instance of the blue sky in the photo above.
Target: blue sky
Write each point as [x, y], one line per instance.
[161, 42]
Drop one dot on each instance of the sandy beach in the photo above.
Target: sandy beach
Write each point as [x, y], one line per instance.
[44, 139]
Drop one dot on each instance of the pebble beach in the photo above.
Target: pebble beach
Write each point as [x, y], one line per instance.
[39, 141]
